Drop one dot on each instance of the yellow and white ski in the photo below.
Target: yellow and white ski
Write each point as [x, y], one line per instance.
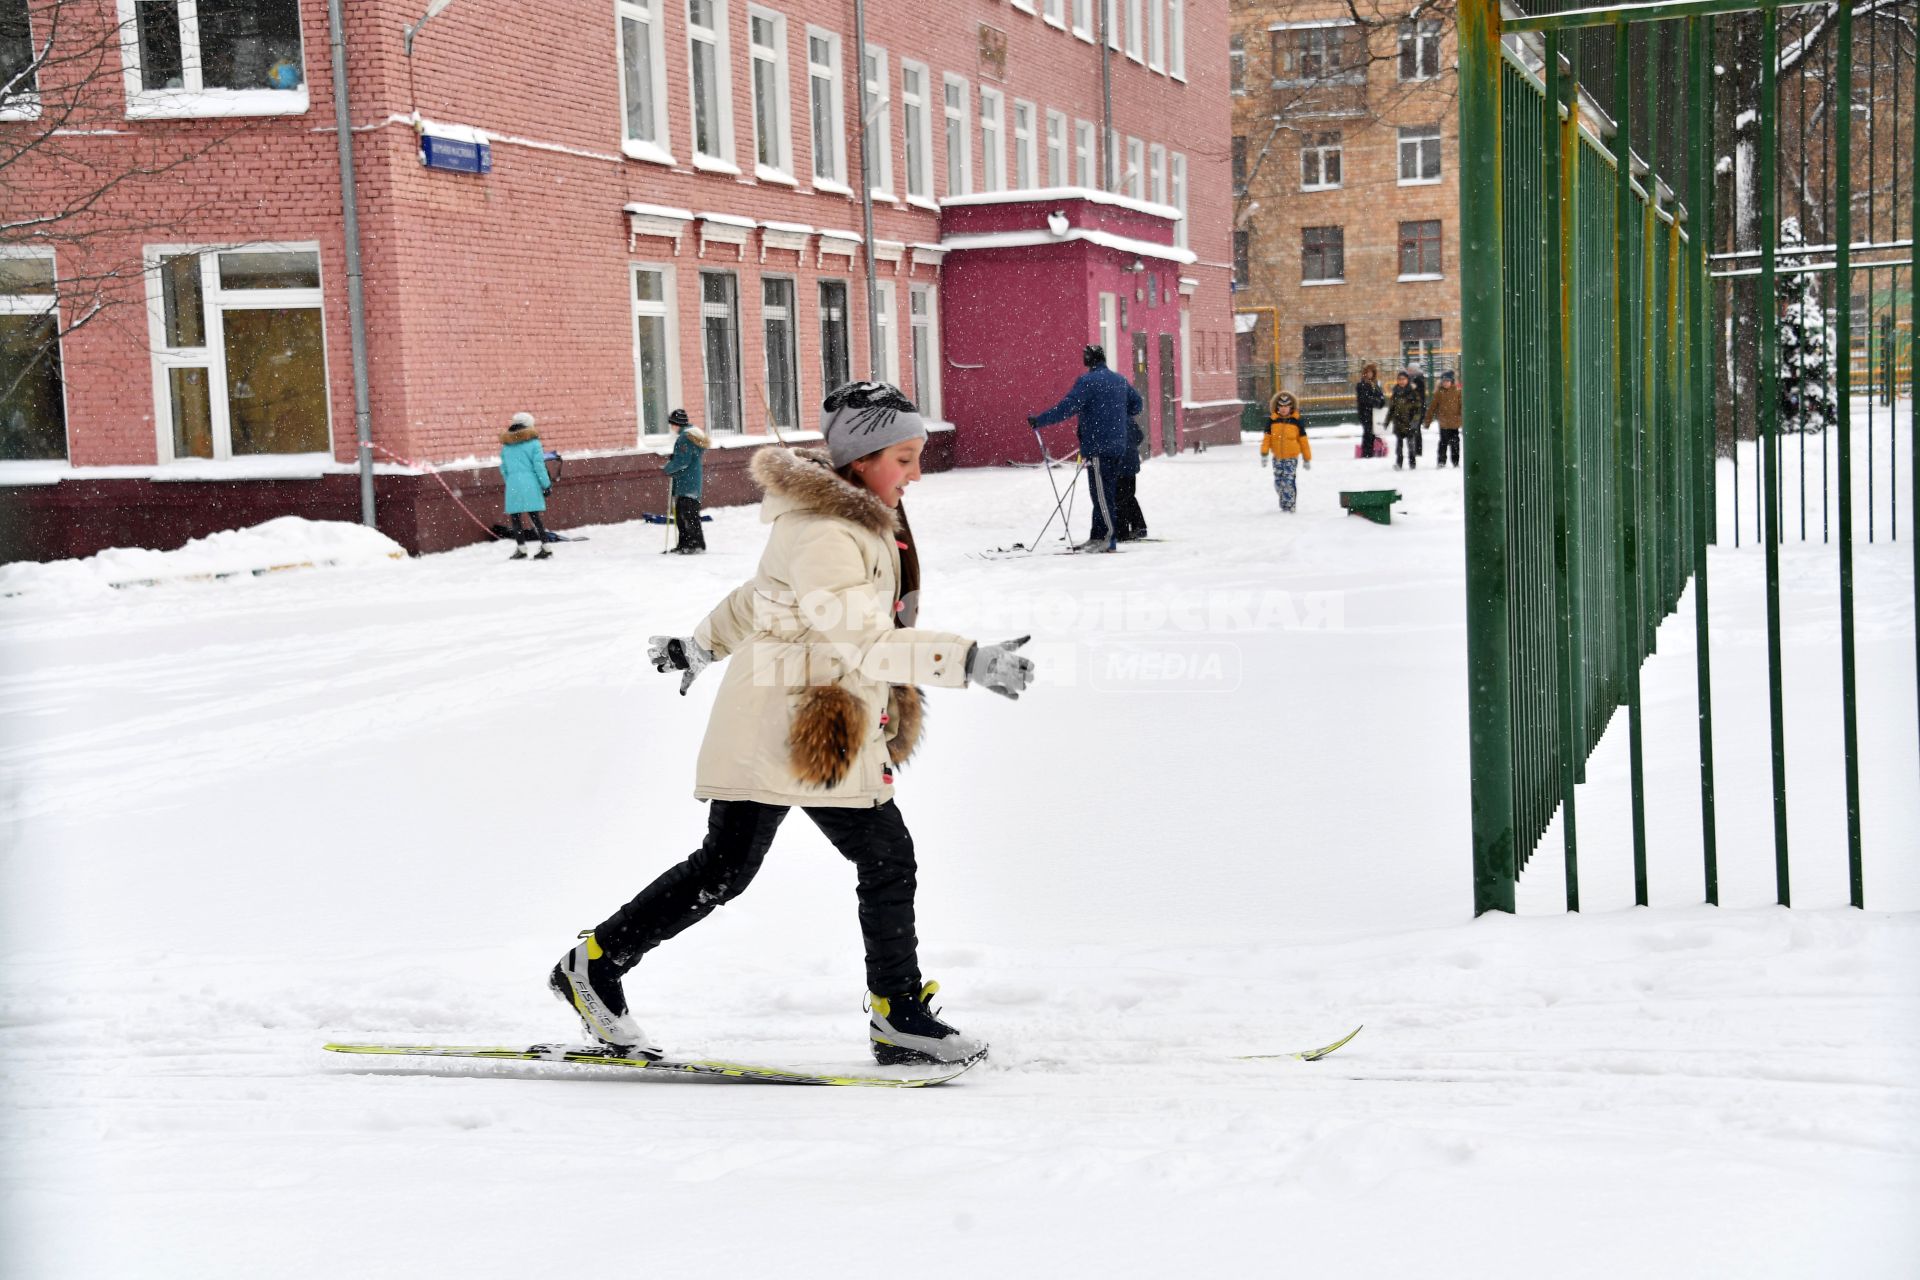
[588, 1056]
[1306, 1055]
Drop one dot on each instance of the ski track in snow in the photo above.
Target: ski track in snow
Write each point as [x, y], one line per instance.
[243, 818]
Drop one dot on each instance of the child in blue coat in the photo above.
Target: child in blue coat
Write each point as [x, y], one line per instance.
[687, 467]
[523, 465]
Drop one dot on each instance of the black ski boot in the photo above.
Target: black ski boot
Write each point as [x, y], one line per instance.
[904, 1029]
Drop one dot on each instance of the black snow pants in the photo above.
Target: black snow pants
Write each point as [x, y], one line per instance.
[1127, 514]
[520, 534]
[739, 832]
[1103, 483]
[686, 516]
[1449, 443]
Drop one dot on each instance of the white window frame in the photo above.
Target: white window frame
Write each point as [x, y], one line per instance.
[1177, 177]
[886, 361]
[1419, 33]
[716, 310]
[1157, 35]
[1418, 144]
[832, 71]
[1083, 19]
[1054, 13]
[793, 337]
[193, 100]
[718, 39]
[669, 309]
[1320, 152]
[646, 13]
[1110, 326]
[215, 302]
[917, 134]
[781, 170]
[878, 121]
[1057, 149]
[1086, 153]
[1135, 22]
[1113, 25]
[993, 140]
[1237, 66]
[929, 397]
[959, 121]
[1136, 172]
[1025, 155]
[1177, 45]
[40, 304]
[1025, 6]
[1157, 173]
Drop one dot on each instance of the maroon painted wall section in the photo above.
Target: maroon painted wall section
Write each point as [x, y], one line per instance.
[83, 516]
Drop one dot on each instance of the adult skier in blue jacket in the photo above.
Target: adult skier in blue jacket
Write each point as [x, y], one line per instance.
[1106, 403]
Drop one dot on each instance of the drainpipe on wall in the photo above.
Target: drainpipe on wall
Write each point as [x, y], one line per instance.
[356, 298]
[874, 365]
[1106, 100]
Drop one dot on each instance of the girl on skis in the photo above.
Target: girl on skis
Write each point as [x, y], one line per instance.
[1286, 441]
[819, 705]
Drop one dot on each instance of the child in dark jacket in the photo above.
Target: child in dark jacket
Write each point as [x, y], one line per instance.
[1404, 412]
[687, 466]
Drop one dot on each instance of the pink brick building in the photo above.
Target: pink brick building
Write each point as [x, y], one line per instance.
[666, 217]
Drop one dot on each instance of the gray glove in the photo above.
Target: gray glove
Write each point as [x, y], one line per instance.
[999, 668]
[1307, 463]
[678, 653]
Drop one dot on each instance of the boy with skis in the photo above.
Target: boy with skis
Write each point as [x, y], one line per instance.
[818, 707]
[687, 466]
[1286, 442]
[523, 467]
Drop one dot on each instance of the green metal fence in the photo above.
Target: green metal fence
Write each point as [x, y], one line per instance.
[1590, 499]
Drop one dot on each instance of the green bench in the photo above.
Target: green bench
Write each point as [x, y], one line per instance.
[1375, 504]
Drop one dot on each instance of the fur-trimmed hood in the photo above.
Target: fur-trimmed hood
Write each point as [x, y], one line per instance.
[695, 437]
[515, 435]
[804, 480]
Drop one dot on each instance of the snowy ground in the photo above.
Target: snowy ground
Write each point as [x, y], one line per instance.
[243, 817]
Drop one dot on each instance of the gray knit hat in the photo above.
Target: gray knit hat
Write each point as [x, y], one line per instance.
[522, 420]
[865, 417]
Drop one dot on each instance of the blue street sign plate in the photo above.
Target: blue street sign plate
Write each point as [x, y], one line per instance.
[455, 155]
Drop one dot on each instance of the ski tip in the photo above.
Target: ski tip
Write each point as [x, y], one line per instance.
[1305, 1055]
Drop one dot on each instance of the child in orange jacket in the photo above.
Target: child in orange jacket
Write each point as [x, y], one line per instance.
[1286, 441]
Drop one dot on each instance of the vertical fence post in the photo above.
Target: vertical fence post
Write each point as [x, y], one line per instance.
[1626, 456]
[1699, 151]
[1559, 156]
[1913, 375]
[1843, 323]
[1489, 657]
[1769, 423]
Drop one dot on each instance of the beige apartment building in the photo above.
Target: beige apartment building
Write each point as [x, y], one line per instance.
[1346, 197]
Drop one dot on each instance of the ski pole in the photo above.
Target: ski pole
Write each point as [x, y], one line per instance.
[1066, 528]
[1065, 517]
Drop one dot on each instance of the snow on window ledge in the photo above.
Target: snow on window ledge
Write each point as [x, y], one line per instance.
[1414, 279]
[708, 164]
[921, 202]
[1309, 284]
[767, 173]
[832, 188]
[187, 104]
[651, 152]
[24, 107]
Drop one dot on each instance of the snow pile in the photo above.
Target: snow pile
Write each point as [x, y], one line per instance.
[288, 542]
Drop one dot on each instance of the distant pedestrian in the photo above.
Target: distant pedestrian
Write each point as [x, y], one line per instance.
[1286, 441]
[1131, 520]
[523, 466]
[1105, 403]
[1403, 416]
[687, 466]
[1369, 402]
[1446, 414]
[1419, 381]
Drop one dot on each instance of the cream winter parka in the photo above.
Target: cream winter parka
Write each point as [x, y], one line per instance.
[818, 699]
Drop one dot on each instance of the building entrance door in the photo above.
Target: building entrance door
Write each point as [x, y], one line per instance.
[1169, 398]
[1140, 384]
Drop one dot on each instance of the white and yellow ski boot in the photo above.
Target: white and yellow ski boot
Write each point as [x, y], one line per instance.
[587, 982]
[905, 1028]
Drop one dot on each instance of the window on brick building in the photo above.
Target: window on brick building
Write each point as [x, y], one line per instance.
[879, 118]
[239, 351]
[1057, 175]
[1022, 4]
[783, 351]
[33, 422]
[1083, 19]
[1085, 153]
[1239, 164]
[1157, 173]
[835, 343]
[1242, 258]
[887, 331]
[1323, 353]
[1136, 175]
[655, 347]
[993, 140]
[823, 88]
[197, 56]
[1178, 180]
[1320, 161]
[1419, 50]
[1237, 64]
[19, 80]
[1419, 155]
[1419, 250]
[924, 319]
[720, 347]
[1336, 51]
[1177, 39]
[1323, 254]
[959, 138]
[710, 81]
[1023, 170]
[643, 80]
[1157, 34]
[916, 129]
[1110, 14]
[1136, 24]
[767, 45]
[1419, 343]
[1056, 11]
